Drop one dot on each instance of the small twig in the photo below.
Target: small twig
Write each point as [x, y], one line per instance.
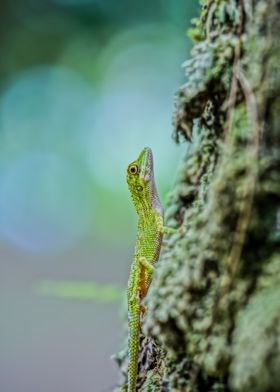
[252, 173]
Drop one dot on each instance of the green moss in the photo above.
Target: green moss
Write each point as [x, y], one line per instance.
[256, 356]
[213, 306]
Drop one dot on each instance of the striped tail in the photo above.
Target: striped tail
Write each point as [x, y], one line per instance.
[133, 345]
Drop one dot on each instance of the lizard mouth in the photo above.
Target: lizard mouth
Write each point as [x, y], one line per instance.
[146, 158]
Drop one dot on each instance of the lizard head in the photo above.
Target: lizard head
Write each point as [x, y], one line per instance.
[140, 179]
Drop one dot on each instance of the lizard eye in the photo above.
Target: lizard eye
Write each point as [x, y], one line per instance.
[133, 169]
[139, 188]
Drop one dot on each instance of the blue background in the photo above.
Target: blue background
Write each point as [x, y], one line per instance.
[85, 85]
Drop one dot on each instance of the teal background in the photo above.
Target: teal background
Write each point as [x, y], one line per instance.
[85, 85]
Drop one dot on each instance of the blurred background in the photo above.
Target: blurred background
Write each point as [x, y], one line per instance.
[84, 86]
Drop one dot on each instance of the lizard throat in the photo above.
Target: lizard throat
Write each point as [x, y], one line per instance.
[148, 201]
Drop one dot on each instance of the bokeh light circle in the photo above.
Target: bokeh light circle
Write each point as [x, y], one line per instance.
[44, 202]
[46, 107]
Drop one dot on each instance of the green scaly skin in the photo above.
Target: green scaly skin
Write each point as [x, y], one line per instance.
[141, 183]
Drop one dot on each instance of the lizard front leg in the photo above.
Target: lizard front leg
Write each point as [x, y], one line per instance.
[164, 229]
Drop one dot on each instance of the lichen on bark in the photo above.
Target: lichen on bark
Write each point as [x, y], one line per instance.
[214, 304]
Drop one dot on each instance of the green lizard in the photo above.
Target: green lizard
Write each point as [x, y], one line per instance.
[141, 183]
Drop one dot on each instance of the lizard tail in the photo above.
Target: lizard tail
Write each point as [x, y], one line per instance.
[133, 346]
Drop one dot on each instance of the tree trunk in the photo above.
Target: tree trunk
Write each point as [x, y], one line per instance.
[213, 318]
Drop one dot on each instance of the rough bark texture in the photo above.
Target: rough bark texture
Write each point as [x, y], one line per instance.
[213, 319]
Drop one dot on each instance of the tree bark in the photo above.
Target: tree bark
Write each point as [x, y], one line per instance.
[213, 318]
